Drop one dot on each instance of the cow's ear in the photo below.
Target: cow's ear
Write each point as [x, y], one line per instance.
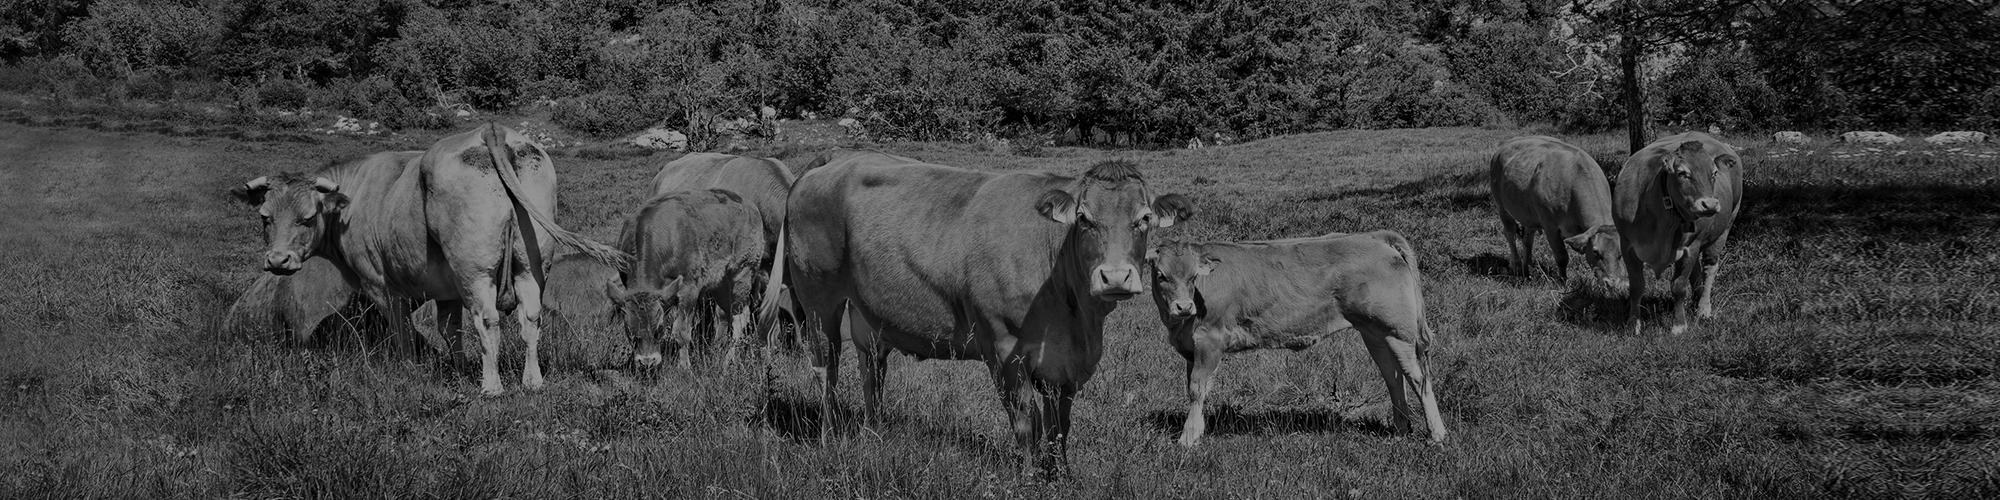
[1207, 266]
[332, 203]
[1582, 243]
[614, 291]
[252, 193]
[1057, 205]
[1170, 209]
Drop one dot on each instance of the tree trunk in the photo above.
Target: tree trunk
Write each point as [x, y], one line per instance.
[1633, 93]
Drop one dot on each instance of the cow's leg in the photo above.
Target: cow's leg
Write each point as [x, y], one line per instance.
[399, 335]
[485, 311]
[682, 329]
[826, 361]
[1387, 362]
[1512, 230]
[1635, 292]
[1682, 267]
[1201, 364]
[1711, 264]
[1056, 402]
[1560, 252]
[1401, 338]
[529, 314]
[873, 357]
[1024, 410]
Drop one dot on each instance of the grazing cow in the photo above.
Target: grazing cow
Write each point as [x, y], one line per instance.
[574, 296]
[459, 223]
[762, 182]
[692, 251]
[1017, 270]
[1545, 185]
[1676, 200]
[1220, 298]
[296, 303]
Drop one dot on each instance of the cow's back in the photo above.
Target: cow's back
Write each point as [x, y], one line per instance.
[922, 245]
[764, 183]
[697, 236]
[1541, 181]
[1283, 293]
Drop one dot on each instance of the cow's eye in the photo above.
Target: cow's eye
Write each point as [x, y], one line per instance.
[307, 221]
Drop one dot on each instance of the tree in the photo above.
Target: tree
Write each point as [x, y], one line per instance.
[1641, 26]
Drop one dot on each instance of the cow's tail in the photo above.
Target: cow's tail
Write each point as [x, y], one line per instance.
[524, 212]
[777, 297]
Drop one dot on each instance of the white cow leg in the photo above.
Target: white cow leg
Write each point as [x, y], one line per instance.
[486, 319]
[529, 314]
[683, 325]
[1635, 293]
[1201, 366]
[1387, 362]
[1685, 268]
[737, 324]
[1414, 370]
[1704, 279]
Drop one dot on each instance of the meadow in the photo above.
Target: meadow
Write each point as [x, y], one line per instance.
[1854, 355]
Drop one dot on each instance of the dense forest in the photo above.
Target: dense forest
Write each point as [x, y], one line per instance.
[1153, 71]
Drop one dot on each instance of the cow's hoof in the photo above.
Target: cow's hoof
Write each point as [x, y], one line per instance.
[1190, 441]
[1678, 329]
[492, 390]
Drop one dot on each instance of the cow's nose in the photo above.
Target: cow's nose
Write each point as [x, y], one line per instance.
[1117, 279]
[646, 360]
[1183, 308]
[1707, 206]
[281, 260]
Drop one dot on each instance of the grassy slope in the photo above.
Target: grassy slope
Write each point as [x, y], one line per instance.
[1852, 357]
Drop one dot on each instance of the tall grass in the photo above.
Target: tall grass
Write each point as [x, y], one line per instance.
[1853, 355]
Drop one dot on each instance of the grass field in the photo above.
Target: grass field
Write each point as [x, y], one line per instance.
[1855, 354]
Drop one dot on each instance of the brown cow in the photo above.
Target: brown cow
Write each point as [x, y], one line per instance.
[460, 223]
[692, 251]
[1677, 199]
[294, 304]
[1545, 185]
[1220, 298]
[1017, 270]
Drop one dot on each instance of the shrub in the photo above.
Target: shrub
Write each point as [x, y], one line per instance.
[283, 93]
[600, 114]
[121, 36]
[67, 77]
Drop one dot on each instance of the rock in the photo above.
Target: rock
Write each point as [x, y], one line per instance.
[1790, 137]
[1958, 137]
[809, 115]
[1194, 143]
[767, 113]
[462, 113]
[1714, 130]
[1870, 137]
[853, 126]
[659, 138]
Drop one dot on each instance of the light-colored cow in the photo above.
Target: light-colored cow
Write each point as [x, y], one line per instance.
[1218, 298]
[1541, 184]
[1017, 270]
[461, 223]
[1676, 201]
[693, 251]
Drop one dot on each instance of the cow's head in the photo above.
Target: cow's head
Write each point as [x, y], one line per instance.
[1109, 213]
[1176, 267]
[1603, 251]
[295, 209]
[644, 315]
[1689, 179]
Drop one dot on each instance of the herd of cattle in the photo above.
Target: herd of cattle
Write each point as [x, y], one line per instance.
[1018, 270]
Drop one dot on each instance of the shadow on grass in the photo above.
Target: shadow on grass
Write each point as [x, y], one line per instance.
[1600, 308]
[1228, 420]
[799, 421]
[1490, 265]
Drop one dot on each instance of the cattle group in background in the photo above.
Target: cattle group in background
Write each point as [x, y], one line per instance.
[1218, 298]
[461, 223]
[1017, 270]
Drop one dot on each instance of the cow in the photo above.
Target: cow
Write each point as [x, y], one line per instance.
[294, 304]
[764, 183]
[692, 251]
[1017, 270]
[460, 223]
[574, 296]
[1541, 184]
[1217, 298]
[1676, 201]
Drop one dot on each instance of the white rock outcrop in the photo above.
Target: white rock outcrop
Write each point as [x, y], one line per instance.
[1957, 137]
[660, 138]
[1870, 137]
[1790, 137]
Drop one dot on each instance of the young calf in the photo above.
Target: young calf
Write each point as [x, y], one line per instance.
[1220, 298]
[691, 250]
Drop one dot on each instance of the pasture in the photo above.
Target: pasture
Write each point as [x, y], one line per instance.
[1854, 355]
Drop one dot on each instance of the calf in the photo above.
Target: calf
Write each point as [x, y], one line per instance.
[1545, 185]
[691, 250]
[296, 303]
[1220, 298]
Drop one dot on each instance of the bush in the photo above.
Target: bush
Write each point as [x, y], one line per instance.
[121, 36]
[67, 77]
[601, 114]
[283, 94]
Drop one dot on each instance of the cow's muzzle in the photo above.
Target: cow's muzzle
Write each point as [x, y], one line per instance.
[1116, 282]
[646, 360]
[1707, 206]
[282, 262]
[1181, 308]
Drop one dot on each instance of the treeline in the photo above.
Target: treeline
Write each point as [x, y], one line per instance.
[1154, 71]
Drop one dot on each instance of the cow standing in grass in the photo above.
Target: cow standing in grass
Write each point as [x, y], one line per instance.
[1541, 184]
[1017, 270]
[1677, 199]
[764, 184]
[693, 252]
[1218, 298]
[461, 223]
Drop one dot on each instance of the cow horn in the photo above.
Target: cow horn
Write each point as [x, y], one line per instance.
[258, 183]
[325, 185]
